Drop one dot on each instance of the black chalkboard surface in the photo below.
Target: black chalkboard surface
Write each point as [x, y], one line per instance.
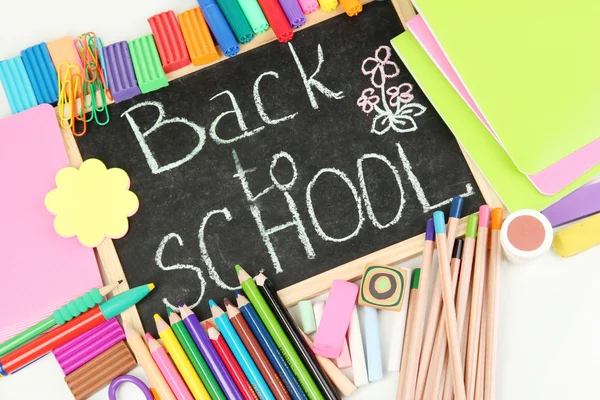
[291, 158]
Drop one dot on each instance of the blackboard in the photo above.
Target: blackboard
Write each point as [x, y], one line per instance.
[279, 160]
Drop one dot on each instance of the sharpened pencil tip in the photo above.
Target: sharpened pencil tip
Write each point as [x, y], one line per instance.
[151, 286]
[212, 304]
[227, 302]
[238, 268]
[180, 303]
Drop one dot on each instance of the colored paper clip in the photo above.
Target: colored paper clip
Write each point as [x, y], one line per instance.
[69, 88]
[118, 381]
[93, 80]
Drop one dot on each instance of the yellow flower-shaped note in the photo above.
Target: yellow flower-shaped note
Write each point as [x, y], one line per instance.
[92, 202]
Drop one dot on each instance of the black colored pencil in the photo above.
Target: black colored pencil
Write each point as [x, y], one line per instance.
[293, 332]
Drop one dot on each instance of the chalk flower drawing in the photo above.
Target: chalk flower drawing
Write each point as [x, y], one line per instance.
[368, 100]
[394, 105]
[92, 202]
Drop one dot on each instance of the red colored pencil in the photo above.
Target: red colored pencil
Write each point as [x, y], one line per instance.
[231, 363]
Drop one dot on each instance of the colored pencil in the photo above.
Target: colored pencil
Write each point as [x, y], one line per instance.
[341, 381]
[433, 319]
[55, 338]
[449, 308]
[185, 367]
[59, 317]
[436, 368]
[294, 333]
[476, 301]
[168, 370]
[209, 353]
[193, 353]
[231, 363]
[278, 335]
[453, 221]
[409, 369]
[480, 388]
[399, 327]
[410, 319]
[240, 352]
[492, 305]
[268, 345]
[144, 358]
[256, 352]
[463, 293]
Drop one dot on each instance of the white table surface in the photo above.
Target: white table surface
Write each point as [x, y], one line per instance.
[549, 326]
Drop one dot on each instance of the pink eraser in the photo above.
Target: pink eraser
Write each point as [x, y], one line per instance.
[484, 216]
[336, 319]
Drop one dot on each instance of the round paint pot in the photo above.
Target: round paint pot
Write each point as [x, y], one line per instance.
[526, 235]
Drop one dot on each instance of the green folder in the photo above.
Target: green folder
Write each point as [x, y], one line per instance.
[532, 66]
[510, 184]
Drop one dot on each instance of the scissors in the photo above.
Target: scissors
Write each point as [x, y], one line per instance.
[118, 381]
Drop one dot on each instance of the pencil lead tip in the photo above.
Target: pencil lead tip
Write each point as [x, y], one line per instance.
[180, 303]
[238, 268]
[212, 304]
[227, 302]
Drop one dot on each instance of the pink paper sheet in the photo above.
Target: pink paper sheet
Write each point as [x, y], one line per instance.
[549, 181]
[39, 271]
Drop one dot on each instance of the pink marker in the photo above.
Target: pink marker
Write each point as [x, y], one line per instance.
[331, 332]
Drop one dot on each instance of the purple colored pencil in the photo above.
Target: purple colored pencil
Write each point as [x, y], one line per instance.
[293, 12]
[209, 353]
[82, 349]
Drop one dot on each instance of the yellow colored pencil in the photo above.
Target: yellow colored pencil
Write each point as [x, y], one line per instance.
[182, 362]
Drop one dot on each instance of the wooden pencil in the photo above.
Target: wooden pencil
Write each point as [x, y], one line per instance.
[449, 308]
[341, 381]
[476, 302]
[410, 317]
[453, 221]
[463, 293]
[480, 388]
[492, 305]
[295, 336]
[414, 336]
[144, 358]
[168, 370]
[434, 384]
[256, 352]
[233, 367]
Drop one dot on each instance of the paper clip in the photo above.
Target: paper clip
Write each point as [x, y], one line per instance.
[78, 115]
[66, 88]
[119, 380]
[93, 81]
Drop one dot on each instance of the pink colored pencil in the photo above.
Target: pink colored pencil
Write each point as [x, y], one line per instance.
[164, 363]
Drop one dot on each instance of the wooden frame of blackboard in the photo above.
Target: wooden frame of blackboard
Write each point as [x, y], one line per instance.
[110, 265]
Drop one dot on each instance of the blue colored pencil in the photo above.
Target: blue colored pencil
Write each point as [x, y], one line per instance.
[270, 348]
[239, 351]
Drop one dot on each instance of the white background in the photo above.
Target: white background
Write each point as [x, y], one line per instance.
[549, 330]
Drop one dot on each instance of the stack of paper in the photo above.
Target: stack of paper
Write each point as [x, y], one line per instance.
[517, 86]
[39, 270]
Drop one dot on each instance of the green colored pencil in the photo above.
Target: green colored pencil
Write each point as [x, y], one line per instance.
[59, 317]
[278, 335]
[200, 365]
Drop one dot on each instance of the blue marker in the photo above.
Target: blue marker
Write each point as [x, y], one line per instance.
[239, 351]
[219, 27]
[270, 348]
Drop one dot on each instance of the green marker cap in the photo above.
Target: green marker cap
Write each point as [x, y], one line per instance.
[115, 306]
[472, 226]
[414, 283]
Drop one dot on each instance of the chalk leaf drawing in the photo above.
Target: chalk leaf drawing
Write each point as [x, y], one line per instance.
[394, 106]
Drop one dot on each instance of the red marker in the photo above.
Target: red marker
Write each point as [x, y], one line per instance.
[231, 363]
